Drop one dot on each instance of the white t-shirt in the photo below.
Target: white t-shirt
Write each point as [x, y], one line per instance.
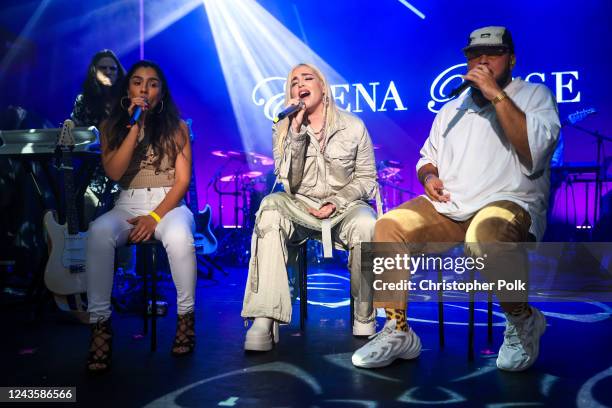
[477, 163]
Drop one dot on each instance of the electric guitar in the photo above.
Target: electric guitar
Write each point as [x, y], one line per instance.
[204, 240]
[65, 271]
[577, 116]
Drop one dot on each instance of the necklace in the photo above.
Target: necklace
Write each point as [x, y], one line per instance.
[141, 134]
[320, 135]
[316, 132]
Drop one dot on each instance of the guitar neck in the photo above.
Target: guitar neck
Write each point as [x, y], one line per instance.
[192, 194]
[72, 216]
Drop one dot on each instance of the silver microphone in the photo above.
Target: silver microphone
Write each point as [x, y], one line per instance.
[458, 90]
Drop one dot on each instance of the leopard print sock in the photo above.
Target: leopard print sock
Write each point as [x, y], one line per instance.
[400, 318]
[521, 310]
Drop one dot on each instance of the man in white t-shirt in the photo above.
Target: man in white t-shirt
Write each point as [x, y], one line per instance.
[485, 171]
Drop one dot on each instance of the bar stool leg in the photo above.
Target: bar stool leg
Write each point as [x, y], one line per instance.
[153, 269]
[490, 317]
[302, 265]
[352, 309]
[470, 353]
[142, 271]
[440, 311]
[305, 280]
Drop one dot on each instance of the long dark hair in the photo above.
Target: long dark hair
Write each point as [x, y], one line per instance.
[163, 122]
[95, 97]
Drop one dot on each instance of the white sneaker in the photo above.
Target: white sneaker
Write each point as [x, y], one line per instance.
[364, 329]
[386, 346]
[262, 335]
[521, 342]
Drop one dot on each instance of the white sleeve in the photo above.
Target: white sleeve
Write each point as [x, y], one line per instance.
[429, 151]
[543, 127]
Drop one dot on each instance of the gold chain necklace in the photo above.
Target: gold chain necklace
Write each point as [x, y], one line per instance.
[317, 132]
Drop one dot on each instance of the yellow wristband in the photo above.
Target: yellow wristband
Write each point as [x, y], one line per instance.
[156, 217]
[502, 95]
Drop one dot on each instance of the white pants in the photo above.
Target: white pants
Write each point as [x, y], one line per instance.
[267, 289]
[175, 231]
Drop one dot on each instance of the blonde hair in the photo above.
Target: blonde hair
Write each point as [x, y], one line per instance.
[282, 127]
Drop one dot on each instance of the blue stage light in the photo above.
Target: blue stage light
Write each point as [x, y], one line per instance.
[256, 53]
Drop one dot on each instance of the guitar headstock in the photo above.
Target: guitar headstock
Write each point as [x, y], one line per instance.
[65, 140]
[576, 117]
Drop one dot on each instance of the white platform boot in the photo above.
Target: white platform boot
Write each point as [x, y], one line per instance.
[262, 335]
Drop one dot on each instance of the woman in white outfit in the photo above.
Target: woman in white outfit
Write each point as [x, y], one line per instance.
[151, 160]
[325, 161]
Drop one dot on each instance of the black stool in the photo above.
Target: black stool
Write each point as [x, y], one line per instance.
[302, 266]
[470, 350]
[146, 254]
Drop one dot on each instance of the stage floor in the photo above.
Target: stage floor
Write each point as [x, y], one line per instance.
[313, 368]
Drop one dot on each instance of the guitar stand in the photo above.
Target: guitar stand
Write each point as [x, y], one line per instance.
[598, 176]
[205, 261]
[37, 295]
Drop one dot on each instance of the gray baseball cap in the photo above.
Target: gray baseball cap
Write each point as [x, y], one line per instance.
[493, 36]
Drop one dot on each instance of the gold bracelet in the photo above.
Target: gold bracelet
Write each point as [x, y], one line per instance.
[502, 95]
[155, 216]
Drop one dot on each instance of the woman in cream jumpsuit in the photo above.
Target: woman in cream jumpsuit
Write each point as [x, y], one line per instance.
[325, 160]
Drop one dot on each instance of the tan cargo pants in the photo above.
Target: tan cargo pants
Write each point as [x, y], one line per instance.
[282, 220]
[416, 222]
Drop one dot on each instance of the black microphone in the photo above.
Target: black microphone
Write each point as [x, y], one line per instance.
[288, 111]
[458, 90]
[135, 115]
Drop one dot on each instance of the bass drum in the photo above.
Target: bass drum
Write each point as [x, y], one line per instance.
[255, 197]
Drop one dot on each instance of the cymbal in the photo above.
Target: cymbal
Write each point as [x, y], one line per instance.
[263, 160]
[246, 175]
[389, 169]
[389, 172]
[389, 164]
[245, 157]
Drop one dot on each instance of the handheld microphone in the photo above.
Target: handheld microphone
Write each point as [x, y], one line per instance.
[458, 90]
[135, 115]
[288, 111]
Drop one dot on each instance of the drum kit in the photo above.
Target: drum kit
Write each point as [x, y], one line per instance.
[253, 178]
[244, 178]
[240, 182]
[390, 180]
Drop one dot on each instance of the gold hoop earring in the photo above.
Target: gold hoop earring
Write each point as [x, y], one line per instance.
[121, 102]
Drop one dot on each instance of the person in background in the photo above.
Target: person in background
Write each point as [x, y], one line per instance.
[100, 90]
